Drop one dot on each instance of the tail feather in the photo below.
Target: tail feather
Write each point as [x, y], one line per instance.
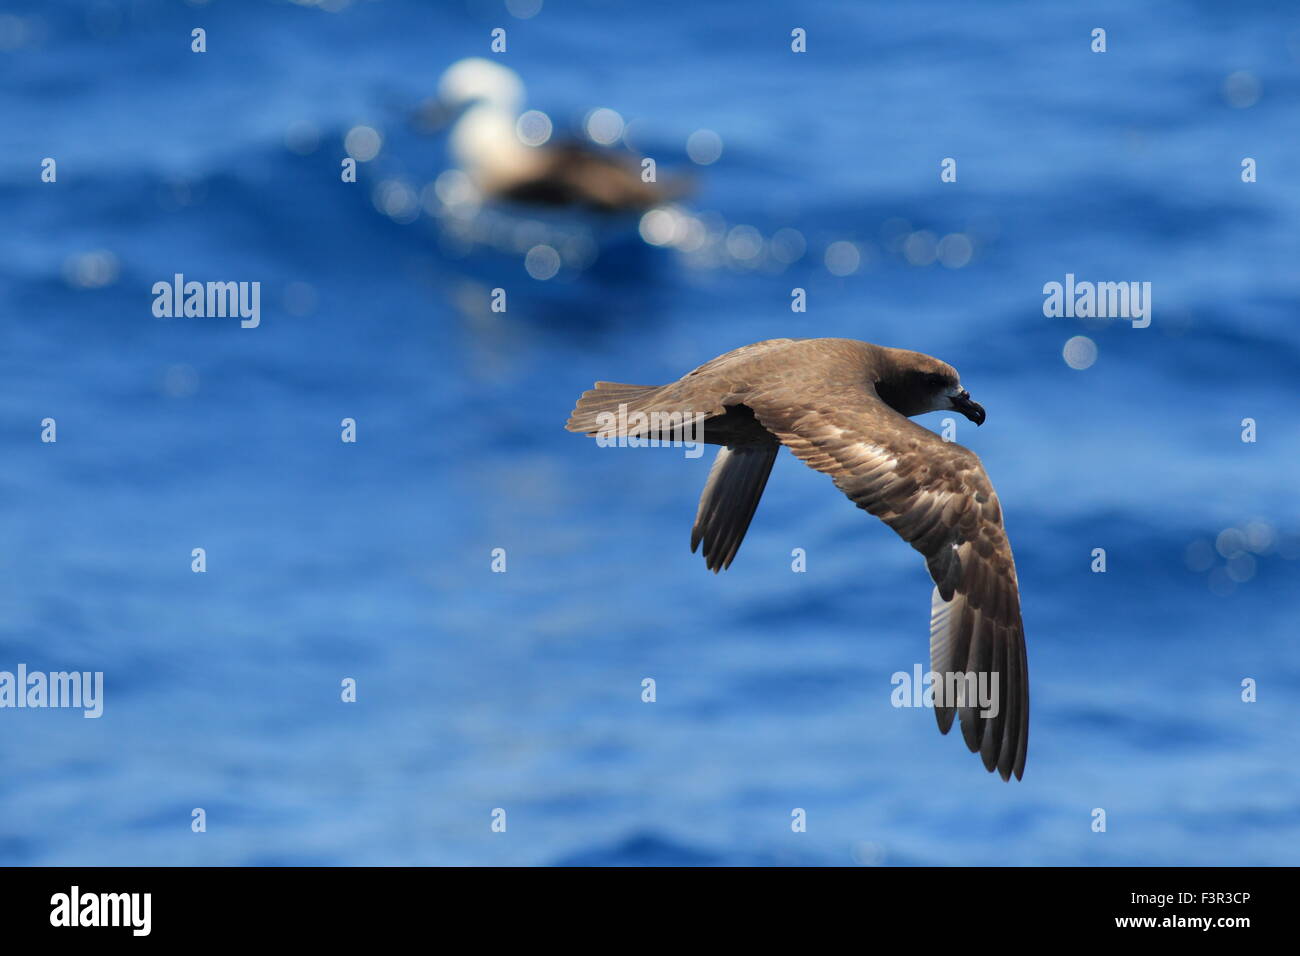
[607, 397]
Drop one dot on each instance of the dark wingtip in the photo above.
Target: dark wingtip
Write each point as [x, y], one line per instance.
[944, 716]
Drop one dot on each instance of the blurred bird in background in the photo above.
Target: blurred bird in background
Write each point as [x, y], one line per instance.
[511, 157]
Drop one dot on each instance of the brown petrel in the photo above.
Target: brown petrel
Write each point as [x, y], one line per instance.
[844, 408]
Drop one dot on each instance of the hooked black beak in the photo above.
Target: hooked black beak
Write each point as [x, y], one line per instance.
[961, 402]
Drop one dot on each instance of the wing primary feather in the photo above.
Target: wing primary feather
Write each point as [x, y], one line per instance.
[730, 498]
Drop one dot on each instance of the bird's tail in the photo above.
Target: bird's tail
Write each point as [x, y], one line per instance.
[606, 407]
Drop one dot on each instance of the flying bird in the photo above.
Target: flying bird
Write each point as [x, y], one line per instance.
[485, 99]
[844, 408]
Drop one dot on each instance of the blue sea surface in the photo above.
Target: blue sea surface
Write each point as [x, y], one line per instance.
[522, 690]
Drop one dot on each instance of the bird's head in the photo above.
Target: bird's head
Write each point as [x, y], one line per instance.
[476, 80]
[917, 383]
[467, 84]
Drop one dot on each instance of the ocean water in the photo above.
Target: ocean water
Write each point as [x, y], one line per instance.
[522, 690]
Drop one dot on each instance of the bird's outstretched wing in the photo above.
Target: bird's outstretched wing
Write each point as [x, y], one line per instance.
[936, 496]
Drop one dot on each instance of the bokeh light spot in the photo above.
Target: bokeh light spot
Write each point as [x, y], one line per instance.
[533, 128]
[704, 147]
[1080, 352]
[842, 258]
[604, 126]
[542, 262]
[362, 143]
